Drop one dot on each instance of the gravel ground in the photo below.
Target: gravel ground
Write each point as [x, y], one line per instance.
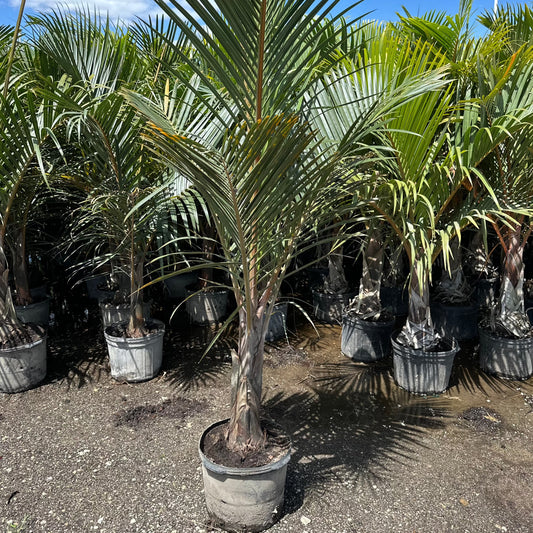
[84, 453]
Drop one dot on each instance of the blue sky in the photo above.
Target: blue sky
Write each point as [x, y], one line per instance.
[128, 9]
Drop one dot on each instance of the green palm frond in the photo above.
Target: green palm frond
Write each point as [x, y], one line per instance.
[86, 47]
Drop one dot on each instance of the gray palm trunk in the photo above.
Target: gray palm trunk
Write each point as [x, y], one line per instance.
[8, 315]
[453, 286]
[20, 269]
[244, 430]
[136, 323]
[510, 312]
[368, 302]
[336, 282]
[419, 332]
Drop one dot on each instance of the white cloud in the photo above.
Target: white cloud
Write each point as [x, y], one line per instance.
[117, 9]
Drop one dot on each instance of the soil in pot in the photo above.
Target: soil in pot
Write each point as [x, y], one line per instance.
[135, 359]
[22, 357]
[366, 340]
[245, 494]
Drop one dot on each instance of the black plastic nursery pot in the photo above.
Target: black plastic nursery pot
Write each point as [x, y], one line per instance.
[505, 357]
[328, 307]
[486, 292]
[35, 313]
[394, 299]
[277, 326]
[112, 313]
[365, 340]
[458, 321]
[420, 371]
[206, 307]
[243, 499]
[528, 305]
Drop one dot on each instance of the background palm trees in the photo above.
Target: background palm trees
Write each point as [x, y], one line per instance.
[276, 117]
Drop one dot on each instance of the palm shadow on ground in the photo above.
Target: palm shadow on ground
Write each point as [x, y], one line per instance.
[77, 354]
[186, 365]
[349, 429]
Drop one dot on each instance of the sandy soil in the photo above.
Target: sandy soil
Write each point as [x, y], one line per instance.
[84, 453]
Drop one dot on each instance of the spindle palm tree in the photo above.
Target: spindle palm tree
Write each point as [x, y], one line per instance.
[264, 181]
[497, 140]
[378, 85]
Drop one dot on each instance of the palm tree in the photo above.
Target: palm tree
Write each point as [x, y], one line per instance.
[390, 78]
[496, 141]
[263, 182]
[29, 154]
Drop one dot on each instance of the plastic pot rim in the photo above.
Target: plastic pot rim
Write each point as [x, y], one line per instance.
[515, 340]
[419, 352]
[236, 471]
[129, 340]
[354, 320]
[6, 351]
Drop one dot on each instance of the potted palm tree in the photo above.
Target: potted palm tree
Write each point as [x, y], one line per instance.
[263, 184]
[26, 123]
[392, 74]
[117, 172]
[506, 89]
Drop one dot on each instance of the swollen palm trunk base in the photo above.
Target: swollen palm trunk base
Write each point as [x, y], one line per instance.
[22, 367]
[243, 499]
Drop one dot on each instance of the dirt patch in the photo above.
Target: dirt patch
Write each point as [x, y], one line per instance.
[366, 456]
[216, 450]
[176, 408]
[284, 355]
[482, 418]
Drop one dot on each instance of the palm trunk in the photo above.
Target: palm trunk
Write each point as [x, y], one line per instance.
[369, 301]
[136, 324]
[452, 286]
[510, 314]
[244, 431]
[481, 264]
[418, 331]
[20, 270]
[7, 309]
[336, 282]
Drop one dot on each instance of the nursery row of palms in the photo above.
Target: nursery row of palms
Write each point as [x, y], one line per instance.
[277, 125]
